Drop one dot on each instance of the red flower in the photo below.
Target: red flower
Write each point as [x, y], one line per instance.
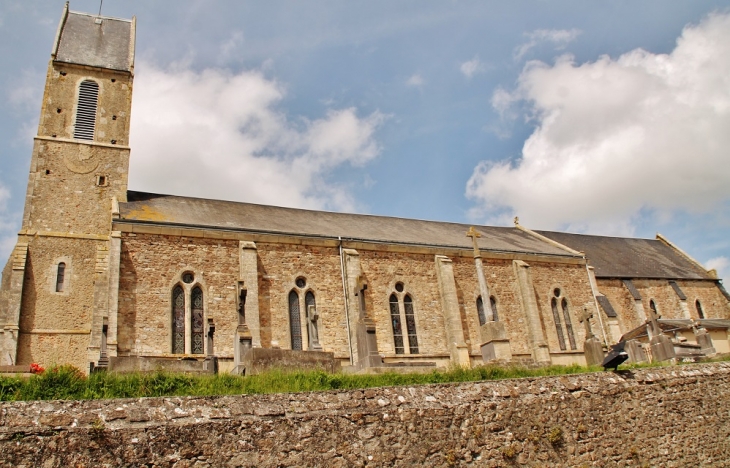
[36, 369]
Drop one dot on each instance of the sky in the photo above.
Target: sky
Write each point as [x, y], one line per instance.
[609, 118]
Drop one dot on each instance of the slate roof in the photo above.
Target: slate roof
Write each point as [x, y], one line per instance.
[622, 257]
[109, 44]
[174, 210]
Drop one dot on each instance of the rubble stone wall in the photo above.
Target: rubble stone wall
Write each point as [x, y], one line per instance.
[670, 416]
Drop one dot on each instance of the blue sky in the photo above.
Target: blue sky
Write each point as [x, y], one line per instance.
[599, 117]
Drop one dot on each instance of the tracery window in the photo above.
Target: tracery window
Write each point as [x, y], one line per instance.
[400, 312]
[188, 318]
[295, 325]
[86, 110]
[557, 301]
[700, 312]
[60, 276]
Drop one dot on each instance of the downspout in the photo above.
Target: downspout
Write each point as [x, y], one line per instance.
[595, 303]
[347, 303]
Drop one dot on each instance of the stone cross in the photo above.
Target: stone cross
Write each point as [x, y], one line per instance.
[474, 236]
[586, 317]
[314, 332]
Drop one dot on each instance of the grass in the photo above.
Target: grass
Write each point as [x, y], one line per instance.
[68, 383]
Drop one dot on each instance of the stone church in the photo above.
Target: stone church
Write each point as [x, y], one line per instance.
[101, 274]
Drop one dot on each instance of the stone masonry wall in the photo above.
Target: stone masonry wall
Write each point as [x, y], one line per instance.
[672, 416]
[713, 302]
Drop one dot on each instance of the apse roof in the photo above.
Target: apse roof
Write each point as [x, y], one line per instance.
[623, 257]
[218, 214]
[96, 41]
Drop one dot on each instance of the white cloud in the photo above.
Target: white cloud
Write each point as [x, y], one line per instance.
[558, 37]
[472, 67]
[415, 80]
[8, 226]
[721, 265]
[618, 138]
[219, 135]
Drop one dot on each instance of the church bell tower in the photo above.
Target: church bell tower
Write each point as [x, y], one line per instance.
[57, 289]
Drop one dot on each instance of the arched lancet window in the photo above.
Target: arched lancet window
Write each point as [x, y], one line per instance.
[493, 305]
[410, 324]
[480, 311]
[178, 320]
[295, 326]
[86, 110]
[700, 312]
[60, 275]
[396, 322]
[568, 324]
[196, 334]
[309, 302]
[558, 325]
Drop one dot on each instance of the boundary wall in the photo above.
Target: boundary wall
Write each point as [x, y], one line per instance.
[669, 416]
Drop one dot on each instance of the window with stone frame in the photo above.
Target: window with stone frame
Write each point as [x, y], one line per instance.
[60, 276]
[652, 306]
[395, 321]
[558, 304]
[196, 313]
[480, 311]
[700, 312]
[493, 305]
[295, 324]
[178, 320]
[403, 311]
[88, 98]
[188, 307]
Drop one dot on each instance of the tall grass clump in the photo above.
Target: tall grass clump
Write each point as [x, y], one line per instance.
[68, 383]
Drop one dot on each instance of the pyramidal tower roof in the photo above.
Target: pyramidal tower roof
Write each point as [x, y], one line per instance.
[95, 41]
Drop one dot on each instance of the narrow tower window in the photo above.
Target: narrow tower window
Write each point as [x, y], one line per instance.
[700, 312]
[178, 320]
[395, 321]
[294, 321]
[60, 275]
[410, 324]
[196, 335]
[86, 110]
[480, 311]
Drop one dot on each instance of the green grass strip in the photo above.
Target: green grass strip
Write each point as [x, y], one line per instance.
[68, 383]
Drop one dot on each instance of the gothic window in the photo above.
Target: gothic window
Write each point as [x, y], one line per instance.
[395, 321]
[86, 110]
[568, 324]
[60, 276]
[558, 325]
[410, 324]
[196, 338]
[558, 303]
[402, 311]
[493, 305]
[700, 312]
[178, 320]
[295, 325]
[480, 311]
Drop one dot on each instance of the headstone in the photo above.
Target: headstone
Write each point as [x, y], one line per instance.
[705, 342]
[312, 318]
[592, 347]
[635, 351]
[495, 345]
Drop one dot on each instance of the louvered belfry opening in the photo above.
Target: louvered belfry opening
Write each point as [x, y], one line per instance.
[86, 110]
